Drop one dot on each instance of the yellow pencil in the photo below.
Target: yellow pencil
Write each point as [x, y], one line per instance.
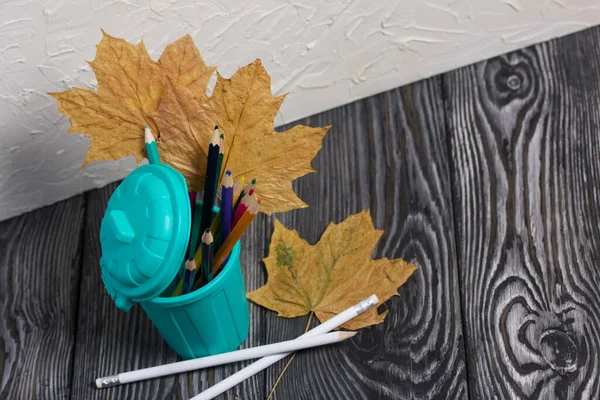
[234, 236]
[214, 227]
[237, 189]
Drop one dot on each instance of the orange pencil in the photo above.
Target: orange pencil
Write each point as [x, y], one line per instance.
[235, 235]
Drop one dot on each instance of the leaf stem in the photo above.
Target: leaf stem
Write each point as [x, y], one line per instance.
[290, 360]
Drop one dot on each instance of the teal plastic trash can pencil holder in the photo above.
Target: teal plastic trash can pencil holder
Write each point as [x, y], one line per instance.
[144, 237]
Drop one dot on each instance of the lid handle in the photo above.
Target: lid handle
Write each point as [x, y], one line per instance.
[120, 225]
[124, 303]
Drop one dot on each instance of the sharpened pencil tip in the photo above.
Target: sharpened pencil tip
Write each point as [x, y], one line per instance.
[216, 126]
[347, 335]
[214, 140]
[207, 237]
[190, 265]
[148, 136]
[228, 172]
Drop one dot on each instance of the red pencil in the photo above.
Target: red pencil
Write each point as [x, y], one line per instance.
[242, 207]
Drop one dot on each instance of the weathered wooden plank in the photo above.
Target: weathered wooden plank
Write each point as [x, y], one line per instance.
[111, 341]
[525, 144]
[387, 153]
[39, 286]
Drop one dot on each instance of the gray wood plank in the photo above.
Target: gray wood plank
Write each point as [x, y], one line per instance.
[525, 145]
[111, 341]
[39, 286]
[387, 153]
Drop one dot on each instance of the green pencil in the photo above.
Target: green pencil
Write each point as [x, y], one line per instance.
[244, 192]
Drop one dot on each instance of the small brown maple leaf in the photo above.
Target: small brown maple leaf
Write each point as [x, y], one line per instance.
[332, 275]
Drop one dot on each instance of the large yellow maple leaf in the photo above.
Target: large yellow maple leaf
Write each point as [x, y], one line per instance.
[332, 275]
[182, 63]
[170, 96]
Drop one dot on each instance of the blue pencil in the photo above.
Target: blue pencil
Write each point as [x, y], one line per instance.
[188, 276]
[210, 186]
[203, 218]
[207, 256]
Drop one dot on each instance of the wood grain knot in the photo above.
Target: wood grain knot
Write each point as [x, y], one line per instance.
[508, 80]
[559, 350]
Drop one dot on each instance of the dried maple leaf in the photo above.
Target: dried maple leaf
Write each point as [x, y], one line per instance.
[170, 96]
[182, 63]
[244, 108]
[332, 275]
[130, 88]
[185, 126]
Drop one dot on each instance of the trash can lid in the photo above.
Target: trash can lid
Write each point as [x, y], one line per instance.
[144, 234]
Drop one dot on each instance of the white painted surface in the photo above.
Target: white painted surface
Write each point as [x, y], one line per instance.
[325, 53]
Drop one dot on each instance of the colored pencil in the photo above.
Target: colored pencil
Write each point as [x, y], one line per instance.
[242, 207]
[235, 235]
[209, 184]
[198, 259]
[226, 210]
[178, 289]
[188, 276]
[244, 192]
[250, 186]
[207, 256]
[226, 205]
[289, 346]
[216, 225]
[196, 223]
[203, 218]
[237, 190]
[193, 196]
[151, 148]
[265, 362]
[220, 160]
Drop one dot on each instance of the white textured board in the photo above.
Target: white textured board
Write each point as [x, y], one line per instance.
[325, 53]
